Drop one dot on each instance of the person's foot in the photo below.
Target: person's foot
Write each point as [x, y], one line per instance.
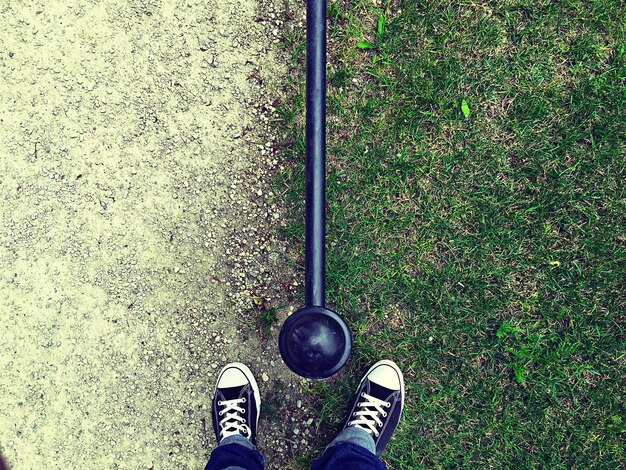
[236, 403]
[377, 404]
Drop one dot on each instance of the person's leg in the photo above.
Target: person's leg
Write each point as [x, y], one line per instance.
[235, 414]
[374, 415]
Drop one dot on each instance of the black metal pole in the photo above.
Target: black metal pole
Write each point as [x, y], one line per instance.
[315, 165]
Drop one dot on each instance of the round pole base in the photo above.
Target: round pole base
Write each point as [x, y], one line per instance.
[315, 342]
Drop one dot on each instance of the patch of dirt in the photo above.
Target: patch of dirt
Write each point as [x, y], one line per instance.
[138, 231]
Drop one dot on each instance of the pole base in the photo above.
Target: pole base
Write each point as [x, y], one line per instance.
[315, 342]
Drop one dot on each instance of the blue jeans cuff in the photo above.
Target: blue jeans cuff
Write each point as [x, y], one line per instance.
[235, 453]
[355, 436]
[238, 439]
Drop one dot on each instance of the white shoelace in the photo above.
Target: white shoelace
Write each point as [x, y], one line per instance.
[232, 423]
[368, 420]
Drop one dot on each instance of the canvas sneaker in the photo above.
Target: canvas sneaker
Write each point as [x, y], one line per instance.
[378, 402]
[236, 403]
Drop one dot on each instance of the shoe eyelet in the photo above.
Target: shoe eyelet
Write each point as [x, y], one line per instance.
[388, 404]
[243, 400]
[384, 414]
[219, 403]
[353, 414]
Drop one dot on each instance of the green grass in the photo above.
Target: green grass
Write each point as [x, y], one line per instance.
[485, 254]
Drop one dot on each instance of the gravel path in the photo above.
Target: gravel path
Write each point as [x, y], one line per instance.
[137, 230]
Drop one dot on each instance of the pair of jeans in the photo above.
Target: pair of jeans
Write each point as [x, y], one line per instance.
[352, 448]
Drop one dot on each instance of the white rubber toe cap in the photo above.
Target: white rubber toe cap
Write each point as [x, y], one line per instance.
[387, 374]
[232, 376]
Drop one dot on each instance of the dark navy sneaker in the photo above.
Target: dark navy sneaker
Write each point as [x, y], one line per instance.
[236, 403]
[377, 404]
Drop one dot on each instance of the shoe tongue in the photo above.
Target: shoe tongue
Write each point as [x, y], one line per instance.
[378, 391]
[231, 393]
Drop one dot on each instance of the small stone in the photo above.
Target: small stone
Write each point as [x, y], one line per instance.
[299, 403]
[265, 377]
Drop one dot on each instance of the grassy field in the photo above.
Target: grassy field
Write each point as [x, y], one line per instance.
[476, 215]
